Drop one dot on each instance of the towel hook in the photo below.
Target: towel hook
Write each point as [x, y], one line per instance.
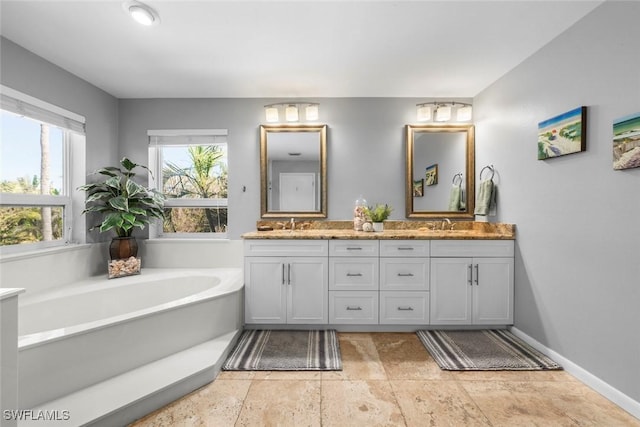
[490, 167]
[458, 175]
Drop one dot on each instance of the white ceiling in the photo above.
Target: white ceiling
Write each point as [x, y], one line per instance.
[298, 48]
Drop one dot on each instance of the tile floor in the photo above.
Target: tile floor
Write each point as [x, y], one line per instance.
[389, 379]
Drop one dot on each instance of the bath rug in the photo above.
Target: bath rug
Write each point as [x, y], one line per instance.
[285, 350]
[483, 350]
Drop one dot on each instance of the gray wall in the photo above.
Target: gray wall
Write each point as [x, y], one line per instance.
[578, 234]
[28, 73]
[365, 146]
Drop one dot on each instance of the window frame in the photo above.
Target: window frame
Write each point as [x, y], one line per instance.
[219, 137]
[71, 201]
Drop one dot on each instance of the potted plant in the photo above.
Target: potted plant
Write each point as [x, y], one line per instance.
[124, 205]
[378, 214]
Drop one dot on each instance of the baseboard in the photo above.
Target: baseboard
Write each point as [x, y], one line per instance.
[606, 390]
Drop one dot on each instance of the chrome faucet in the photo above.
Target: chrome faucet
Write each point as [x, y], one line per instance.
[446, 221]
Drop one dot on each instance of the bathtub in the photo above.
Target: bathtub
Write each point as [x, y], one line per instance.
[78, 335]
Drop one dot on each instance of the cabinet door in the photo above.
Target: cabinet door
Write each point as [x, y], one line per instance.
[451, 291]
[308, 293]
[493, 291]
[265, 290]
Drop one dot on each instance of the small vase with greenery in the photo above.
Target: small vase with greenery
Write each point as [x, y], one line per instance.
[123, 203]
[377, 214]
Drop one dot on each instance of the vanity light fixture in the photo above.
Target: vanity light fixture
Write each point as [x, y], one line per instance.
[464, 113]
[424, 112]
[442, 111]
[291, 111]
[271, 113]
[141, 13]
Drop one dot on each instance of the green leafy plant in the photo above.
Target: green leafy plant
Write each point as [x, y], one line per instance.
[124, 203]
[378, 213]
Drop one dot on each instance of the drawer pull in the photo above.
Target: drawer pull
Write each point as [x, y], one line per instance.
[354, 274]
[405, 308]
[351, 308]
[403, 248]
[354, 249]
[405, 274]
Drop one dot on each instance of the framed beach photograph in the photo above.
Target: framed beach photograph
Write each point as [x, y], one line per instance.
[418, 187]
[431, 174]
[563, 134]
[626, 142]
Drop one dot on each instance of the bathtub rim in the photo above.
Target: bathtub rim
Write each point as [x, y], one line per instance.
[231, 281]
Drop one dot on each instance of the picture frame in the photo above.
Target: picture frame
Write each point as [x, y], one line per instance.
[563, 134]
[431, 174]
[418, 187]
[626, 142]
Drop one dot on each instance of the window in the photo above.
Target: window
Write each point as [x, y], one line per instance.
[37, 202]
[190, 168]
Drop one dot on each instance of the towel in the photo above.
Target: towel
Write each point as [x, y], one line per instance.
[455, 199]
[486, 200]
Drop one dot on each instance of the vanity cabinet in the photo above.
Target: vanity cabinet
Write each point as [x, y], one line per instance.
[404, 282]
[471, 282]
[353, 281]
[286, 281]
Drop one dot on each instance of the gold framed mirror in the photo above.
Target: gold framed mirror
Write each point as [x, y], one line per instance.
[440, 169]
[293, 171]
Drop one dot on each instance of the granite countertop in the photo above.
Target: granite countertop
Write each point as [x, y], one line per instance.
[394, 230]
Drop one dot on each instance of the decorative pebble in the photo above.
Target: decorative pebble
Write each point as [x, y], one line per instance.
[124, 267]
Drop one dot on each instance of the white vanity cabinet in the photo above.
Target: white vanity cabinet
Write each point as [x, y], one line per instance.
[472, 282]
[404, 282]
[286, 281]
[353, 281]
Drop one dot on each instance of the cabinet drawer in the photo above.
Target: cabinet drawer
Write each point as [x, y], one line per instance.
[408, 274]
[404, 248]
[285, 247]
[353, 273]
[358, 248]
[408, 308]
[472, 248]
[356, 307]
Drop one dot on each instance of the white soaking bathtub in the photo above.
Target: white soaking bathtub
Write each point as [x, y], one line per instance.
[76, 336]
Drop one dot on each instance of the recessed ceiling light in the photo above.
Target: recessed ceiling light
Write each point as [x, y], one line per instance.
[141, 13]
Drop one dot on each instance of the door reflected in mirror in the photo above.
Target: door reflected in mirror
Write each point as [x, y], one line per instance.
[293, 171]
[440, 171]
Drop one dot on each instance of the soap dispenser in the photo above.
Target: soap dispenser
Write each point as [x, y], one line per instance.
[359, 213]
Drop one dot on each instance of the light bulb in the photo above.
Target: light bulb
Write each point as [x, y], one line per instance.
[424, 113]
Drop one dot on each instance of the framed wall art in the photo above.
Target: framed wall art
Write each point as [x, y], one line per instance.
[626, 142]
[418, 187]
[563, 134]
[431, 175]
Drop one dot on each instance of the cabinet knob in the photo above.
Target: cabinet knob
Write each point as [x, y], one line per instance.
[405, 308]
[405, 274]
[354, 274]
[351, 308]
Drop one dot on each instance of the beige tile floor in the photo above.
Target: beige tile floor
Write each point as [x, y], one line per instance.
[389, 379]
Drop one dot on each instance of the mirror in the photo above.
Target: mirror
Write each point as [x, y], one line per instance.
[293, 171]
[440, 171]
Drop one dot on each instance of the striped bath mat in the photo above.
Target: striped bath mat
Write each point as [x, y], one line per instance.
[277, 350]
[483, 350]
